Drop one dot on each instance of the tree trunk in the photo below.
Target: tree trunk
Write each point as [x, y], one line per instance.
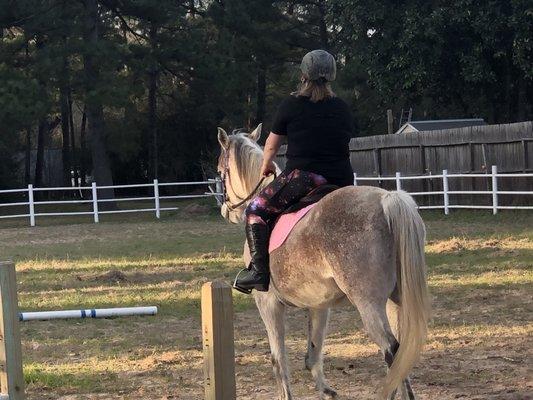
[522, 99]
[65, 128]
[261, 94]
[43, 127]
[83, 147]
[39, 161]
[27, 169]
[152, 105]
[73, 155]
[508, 89]
[95, 110]
[323, 27]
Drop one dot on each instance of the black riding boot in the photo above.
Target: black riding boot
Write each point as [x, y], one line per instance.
[257, 276]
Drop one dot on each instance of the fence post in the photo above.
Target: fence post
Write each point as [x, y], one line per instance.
[218, 345]
[31, 204]
[398, 181]
[219, 189]
[156, 196]
[445, 191]
[95, 203]
[494, 189]
[11, 375]
[355, 178]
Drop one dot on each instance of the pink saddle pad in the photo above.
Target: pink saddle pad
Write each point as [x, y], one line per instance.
[284, 226]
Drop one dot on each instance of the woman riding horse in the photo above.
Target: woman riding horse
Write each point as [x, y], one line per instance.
[318, 127]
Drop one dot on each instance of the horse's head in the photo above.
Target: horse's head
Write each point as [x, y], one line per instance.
[239, 166]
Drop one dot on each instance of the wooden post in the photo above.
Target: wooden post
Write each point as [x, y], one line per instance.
[390, 121]
[11, 376]
[217, 332]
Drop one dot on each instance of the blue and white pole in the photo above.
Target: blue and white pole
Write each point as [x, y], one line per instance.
[89, 313]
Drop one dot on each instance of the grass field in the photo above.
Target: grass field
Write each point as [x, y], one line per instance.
[480, 343]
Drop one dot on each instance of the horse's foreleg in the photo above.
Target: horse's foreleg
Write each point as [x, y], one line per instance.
[273, 315]
[314, 361]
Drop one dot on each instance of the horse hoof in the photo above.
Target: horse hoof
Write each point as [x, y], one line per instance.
[308, 365]
[329, 393]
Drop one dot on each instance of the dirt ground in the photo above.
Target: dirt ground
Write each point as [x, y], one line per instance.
[480, 342]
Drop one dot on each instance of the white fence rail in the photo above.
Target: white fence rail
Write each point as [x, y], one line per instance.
[213, 187]
[214, 190]
[445, 177]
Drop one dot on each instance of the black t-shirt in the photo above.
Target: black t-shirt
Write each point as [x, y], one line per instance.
[318, 137]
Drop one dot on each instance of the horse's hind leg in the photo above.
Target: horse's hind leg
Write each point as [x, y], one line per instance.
[314, 361]
[273, 315]
[377, 325]
[392, 314]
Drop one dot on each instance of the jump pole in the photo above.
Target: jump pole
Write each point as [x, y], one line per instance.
[11, 376]
[218, 344]
[89, 313]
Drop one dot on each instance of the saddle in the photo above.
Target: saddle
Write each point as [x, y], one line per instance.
[290, 217]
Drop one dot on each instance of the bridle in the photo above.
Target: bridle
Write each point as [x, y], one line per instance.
[225, 175]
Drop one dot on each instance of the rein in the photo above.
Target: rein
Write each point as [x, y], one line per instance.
[233, 207]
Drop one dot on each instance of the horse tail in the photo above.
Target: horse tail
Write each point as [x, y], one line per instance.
[409, 234]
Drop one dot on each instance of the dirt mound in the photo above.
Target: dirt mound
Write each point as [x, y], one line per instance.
[113, 276]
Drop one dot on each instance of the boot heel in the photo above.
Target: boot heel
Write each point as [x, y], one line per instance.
[262, 287]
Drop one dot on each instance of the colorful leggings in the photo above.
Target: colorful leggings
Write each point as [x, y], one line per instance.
[284, 191]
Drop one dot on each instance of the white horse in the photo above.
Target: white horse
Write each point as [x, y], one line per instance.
[362, 245]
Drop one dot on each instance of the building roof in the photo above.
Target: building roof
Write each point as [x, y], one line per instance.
[420, 126]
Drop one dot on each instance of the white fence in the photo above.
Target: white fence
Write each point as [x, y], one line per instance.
[214, 190]
[92, 199]
[446, 193]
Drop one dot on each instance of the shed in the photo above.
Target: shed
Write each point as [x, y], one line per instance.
[434, 125]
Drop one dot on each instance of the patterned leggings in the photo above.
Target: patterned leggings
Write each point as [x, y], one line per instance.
[284, 191]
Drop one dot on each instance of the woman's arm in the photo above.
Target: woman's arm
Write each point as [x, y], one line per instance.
[272, 145]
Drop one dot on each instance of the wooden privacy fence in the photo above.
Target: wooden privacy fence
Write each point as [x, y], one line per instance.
[471, 150]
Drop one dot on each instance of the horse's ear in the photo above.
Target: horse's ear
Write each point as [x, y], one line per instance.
[223, 138]
[256, 134]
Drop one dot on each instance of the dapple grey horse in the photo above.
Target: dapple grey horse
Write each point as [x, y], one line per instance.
[360, 245]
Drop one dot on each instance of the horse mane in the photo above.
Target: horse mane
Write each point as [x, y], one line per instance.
[245, 160]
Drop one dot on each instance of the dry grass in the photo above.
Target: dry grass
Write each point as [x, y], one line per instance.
[479, 346]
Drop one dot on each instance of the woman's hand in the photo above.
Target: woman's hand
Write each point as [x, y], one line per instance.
[272, 146]
[268, 168]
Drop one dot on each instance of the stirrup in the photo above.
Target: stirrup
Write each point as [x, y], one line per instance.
[238, 288]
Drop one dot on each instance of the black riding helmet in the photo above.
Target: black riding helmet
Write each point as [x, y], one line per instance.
[319, 64]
